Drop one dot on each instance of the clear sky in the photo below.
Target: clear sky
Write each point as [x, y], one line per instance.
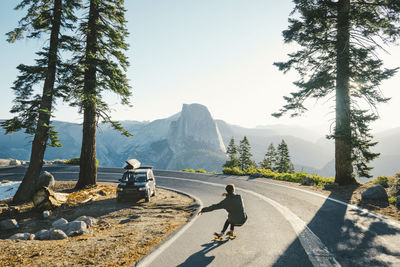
[216, 53]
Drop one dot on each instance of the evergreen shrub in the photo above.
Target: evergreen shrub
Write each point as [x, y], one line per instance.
[382, 180]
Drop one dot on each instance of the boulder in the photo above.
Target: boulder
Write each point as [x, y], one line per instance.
[9, 224]
[47, 199]
[90, 221]
[376, 192]
[22, 236]
[14, 162]
[394, 190]
[46, 179]
[308, 181]
[42, 235]
[75, 228]
[57, 234]
[60, 223]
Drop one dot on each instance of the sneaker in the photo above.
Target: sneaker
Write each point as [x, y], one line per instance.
[218, 234]
[229, 233]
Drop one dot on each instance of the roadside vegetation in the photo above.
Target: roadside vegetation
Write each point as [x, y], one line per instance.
[297, 177]
[199, 171]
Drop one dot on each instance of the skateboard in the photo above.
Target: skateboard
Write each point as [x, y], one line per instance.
[219, 237]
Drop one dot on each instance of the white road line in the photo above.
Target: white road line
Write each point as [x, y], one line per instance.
[317, 252]
[153, 255]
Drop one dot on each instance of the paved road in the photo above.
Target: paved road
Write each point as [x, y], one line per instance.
[286, 226]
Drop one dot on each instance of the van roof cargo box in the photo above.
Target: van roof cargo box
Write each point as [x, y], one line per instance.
[132, 164]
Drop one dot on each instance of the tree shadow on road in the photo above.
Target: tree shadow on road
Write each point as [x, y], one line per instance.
[353, 236]
[199, 258]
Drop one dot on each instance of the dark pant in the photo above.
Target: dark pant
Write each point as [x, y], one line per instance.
[227, 223]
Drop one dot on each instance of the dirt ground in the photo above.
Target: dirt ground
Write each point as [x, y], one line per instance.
[124, 233]
[350, 194]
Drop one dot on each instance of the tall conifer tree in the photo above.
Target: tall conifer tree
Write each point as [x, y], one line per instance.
[283, 162]
[232, 152]
[50, 20]
[101, 66]
[338, 57]
[269, 161]
[245, 155]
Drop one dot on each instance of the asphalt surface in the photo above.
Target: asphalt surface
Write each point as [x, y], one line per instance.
[286, 226]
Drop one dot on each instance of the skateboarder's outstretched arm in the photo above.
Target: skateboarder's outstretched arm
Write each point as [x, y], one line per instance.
[218, 206]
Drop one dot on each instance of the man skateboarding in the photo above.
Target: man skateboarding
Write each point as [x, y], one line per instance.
[234, 205]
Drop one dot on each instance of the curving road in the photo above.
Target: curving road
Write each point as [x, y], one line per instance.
[286, 226]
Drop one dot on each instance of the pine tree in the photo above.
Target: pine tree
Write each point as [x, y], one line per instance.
[232, 152]
[283, 162]
[245, 161]
[49, 19]
[100, 66]
[269, 161]
[338, 57]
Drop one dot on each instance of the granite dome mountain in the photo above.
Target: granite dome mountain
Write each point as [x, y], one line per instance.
[192, 139]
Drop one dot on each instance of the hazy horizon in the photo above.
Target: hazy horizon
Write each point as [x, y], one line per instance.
[216, 53]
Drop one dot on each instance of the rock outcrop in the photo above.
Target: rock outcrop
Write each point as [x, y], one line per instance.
[42, 235]
[57, 234]
[46, 179]
[61, 229]
[22, 236]
[90, 221]
[376, 192]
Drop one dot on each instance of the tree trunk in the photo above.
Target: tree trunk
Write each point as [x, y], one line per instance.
[88, 168]
[26, 189]
[343, 161]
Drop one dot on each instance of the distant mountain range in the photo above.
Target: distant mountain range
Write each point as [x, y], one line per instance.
[193, 139]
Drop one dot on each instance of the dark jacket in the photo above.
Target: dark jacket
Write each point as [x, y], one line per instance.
[234, 205]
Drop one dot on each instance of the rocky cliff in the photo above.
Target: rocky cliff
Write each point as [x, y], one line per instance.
[189, 139]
